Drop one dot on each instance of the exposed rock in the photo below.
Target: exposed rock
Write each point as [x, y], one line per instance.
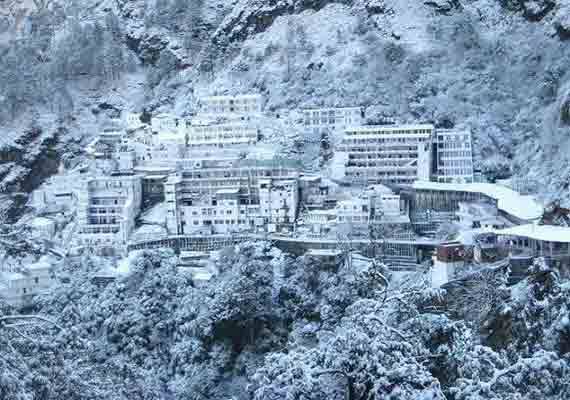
[443, 6]
[148, 46]
[532, 10]
[536, 10]
[376, 7]
[254, 16]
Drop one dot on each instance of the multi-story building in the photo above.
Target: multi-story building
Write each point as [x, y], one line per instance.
[387, 154]
[106, 212]
[165, 123]
[230, 196]
[354, 211]
[133, 121]
[222, 135]
[19, 286]
[333, 120]
[447, 197]
[239, 104]
[454, 156]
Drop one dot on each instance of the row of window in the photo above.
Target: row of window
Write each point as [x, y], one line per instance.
[459, 162]
[350, 141]
[380, 164]
[329, 121]
[454, 153]
[375, 157]
[456, 172]
[389, 131]
[454, 145]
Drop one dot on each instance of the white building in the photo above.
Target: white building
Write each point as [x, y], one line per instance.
[42, 228]
[133, 121]
[334, 120]
[232, 196]
[388, 154]
[448, 261]
[454, 152]
[106, 211]
[164, 123]
[57, 194]
[166, 152]
[480, 215]
[126, 158]
[223, 105]
[17, 287]
[448, 196]
[549, 241]
[222, 135]
[354, 211]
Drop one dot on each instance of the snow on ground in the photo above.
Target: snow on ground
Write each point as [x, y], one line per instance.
[523, 207]
[409, 22]
[146, 231]
[546, 233]
[155, 215]
[124, 265]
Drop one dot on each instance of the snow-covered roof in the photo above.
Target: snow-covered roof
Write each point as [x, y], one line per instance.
[545, 233]
[324, 252]
[228, 191]
[379, 188]
[391, 128]
[11, 276]
[331, 108]
[41, 221]
[239, 96]
[513, 203]
[310, 178]
[322, 212]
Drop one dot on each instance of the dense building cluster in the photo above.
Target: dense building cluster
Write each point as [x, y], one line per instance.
[397, 186]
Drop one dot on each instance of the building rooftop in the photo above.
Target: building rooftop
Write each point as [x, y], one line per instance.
[513, 203]
[545, 233]
[238, 96]
[41, 221]
[389, 128]
[324, 252]
[331, 108]
[228, 191]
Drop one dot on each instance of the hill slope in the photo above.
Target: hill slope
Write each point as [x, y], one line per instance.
[498, 66]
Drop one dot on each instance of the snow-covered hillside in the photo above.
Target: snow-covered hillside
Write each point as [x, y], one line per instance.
[498, 66]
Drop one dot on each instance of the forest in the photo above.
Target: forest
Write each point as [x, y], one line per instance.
[272, 326]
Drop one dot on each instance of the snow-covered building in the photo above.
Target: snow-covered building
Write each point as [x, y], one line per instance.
[454, 156]
[133, 121]
[17, 287]
[165, 123]
[42, 228]
[447, 262]
[436, 196]
[480, 215]
[57, 194]
[222, 135]
[537, 240]
[106, 212]
[233, 196]
[332, 120]
[166, 152]
[353, 211]
[376, 205]
[387, 154]
[223, 105]
[126, 158]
